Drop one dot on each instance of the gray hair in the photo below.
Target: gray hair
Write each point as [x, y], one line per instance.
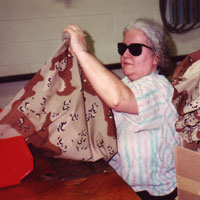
[157, 39]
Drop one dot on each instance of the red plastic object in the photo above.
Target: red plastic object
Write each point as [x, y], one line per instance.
[16, 161]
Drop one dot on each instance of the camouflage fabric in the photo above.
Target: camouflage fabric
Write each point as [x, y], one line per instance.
[186, 82]
[59, 112]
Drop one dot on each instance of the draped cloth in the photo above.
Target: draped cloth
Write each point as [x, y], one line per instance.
[186, 82]
[59, 112]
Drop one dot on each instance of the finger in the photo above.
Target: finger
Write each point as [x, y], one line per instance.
[77, 27]
[67, 29]
[71, 27]
[74, 28]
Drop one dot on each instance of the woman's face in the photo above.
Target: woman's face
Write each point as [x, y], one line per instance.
[135, 67]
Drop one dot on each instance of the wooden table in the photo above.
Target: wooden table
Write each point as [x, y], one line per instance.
[71, 180]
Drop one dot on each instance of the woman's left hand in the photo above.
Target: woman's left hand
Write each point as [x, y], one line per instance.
[77, 38]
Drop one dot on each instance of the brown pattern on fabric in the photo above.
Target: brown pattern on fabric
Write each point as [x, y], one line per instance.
[108, 115]
[60, 113]
[186, 83]
[23, 124]
[59, 63]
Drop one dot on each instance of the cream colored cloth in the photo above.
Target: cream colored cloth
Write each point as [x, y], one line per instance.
[186, 81]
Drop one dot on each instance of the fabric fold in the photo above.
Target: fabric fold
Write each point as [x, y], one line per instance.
[59, 112]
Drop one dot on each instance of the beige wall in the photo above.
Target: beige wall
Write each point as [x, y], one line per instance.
[30, 30]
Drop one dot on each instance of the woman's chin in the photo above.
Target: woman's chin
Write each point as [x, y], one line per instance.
[131, 76]
[127, 72]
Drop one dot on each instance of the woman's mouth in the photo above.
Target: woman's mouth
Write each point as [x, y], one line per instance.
[127, 64]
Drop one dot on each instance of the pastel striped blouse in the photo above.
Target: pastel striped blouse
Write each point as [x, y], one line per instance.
[145, 158]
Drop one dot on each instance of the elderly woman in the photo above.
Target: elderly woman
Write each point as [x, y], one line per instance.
[142, 107]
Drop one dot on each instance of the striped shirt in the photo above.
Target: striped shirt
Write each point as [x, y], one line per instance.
[145, 158]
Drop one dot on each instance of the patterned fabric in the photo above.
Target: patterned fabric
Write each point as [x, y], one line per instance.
[145, 157]
[186, 81]
[59, 112]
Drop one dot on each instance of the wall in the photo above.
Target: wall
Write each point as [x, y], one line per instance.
[30, 31]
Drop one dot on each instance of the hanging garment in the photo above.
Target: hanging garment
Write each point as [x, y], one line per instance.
[59, 112]
[186, 82]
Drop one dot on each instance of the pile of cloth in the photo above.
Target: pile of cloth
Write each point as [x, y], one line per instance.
[186, 83]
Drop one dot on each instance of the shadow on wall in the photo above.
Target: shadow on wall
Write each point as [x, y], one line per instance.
[172, 45]
[90, 43]
[67, 3]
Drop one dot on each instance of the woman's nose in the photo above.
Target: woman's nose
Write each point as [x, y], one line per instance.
[127, 53]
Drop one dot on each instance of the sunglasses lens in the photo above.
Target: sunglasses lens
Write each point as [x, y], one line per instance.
[121, 48]
[135, 49]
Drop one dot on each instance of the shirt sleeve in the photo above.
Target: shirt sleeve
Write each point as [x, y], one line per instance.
[153, 99]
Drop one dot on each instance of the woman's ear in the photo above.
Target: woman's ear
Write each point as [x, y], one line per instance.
[155, 60]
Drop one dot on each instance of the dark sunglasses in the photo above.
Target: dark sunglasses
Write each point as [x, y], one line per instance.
[134, 48]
